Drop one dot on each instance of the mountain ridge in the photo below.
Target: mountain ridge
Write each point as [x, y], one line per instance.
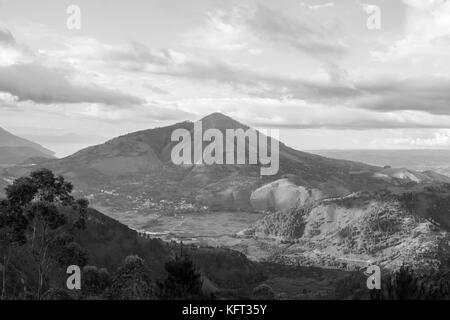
[142, 159]
[14, 150]
[7, 139]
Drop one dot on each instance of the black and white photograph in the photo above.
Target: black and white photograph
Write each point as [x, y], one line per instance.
[205, 151]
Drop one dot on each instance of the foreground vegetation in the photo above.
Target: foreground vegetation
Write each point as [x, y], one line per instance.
[44, 229]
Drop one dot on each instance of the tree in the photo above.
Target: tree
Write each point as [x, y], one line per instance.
[12, 233]
[37, 209]
[65, 251]
[132, 281]
[95, 281]
[263, 292]
[406, 284]
[183, 281]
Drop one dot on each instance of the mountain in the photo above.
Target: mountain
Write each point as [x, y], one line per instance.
[134, 170]
[414, 159]
[15, 150]
[315, 211]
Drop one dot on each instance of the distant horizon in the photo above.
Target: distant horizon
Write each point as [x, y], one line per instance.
[59, 144]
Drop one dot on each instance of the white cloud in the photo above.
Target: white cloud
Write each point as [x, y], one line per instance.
[317, 6]
[222, 31]
[436, 139]
[427, 34]
[41, 84]
[11, 52]
[243, 27]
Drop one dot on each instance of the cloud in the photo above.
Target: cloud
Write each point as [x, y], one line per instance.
[244, 79]
[10, 51]
[436, 139]
[427, 34]
[302, 33]
[132, 56]
[136, 56]
[317, 6]
[223, 31]
[165, 113]
[155, 89]
[6, 37]
[47, 79]
[335, 86]
[332, 85]
[241, 26]
[428, 94]
[300, 115]
[45, 85]
[329, 97]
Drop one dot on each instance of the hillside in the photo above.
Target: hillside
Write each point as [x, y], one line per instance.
[109, 242]
[17, 155]
[131, 174]
[14, 150]
[316, 212]
[136, 168]
[226, 273]
[386, 228]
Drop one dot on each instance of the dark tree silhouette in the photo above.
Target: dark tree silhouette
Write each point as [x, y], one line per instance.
[406, 284]
[183, 281]
[95, 281]
[36, 212]
[132, 281]
[13, 226]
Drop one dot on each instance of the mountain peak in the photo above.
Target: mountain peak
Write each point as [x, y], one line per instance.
[220, 121]
[217, 116]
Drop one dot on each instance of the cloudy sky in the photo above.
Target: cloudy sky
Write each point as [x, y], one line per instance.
[313, 69]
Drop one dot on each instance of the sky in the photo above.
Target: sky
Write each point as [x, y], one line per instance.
[347, 74]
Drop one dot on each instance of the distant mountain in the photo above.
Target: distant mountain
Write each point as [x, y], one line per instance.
[405, 175]
[14, 150]
[131, 170]
[419, 160]
[329, 209]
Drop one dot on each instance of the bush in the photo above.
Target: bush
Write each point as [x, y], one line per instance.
[95, 281]
[183, 281]
[263, 292]
[132, 281]
[406, 284]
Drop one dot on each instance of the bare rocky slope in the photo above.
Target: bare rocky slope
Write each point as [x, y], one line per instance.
[386, 228]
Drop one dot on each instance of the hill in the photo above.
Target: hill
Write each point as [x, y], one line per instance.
[14, 150]
[226, 273]
[135, 171]
[386, 228]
